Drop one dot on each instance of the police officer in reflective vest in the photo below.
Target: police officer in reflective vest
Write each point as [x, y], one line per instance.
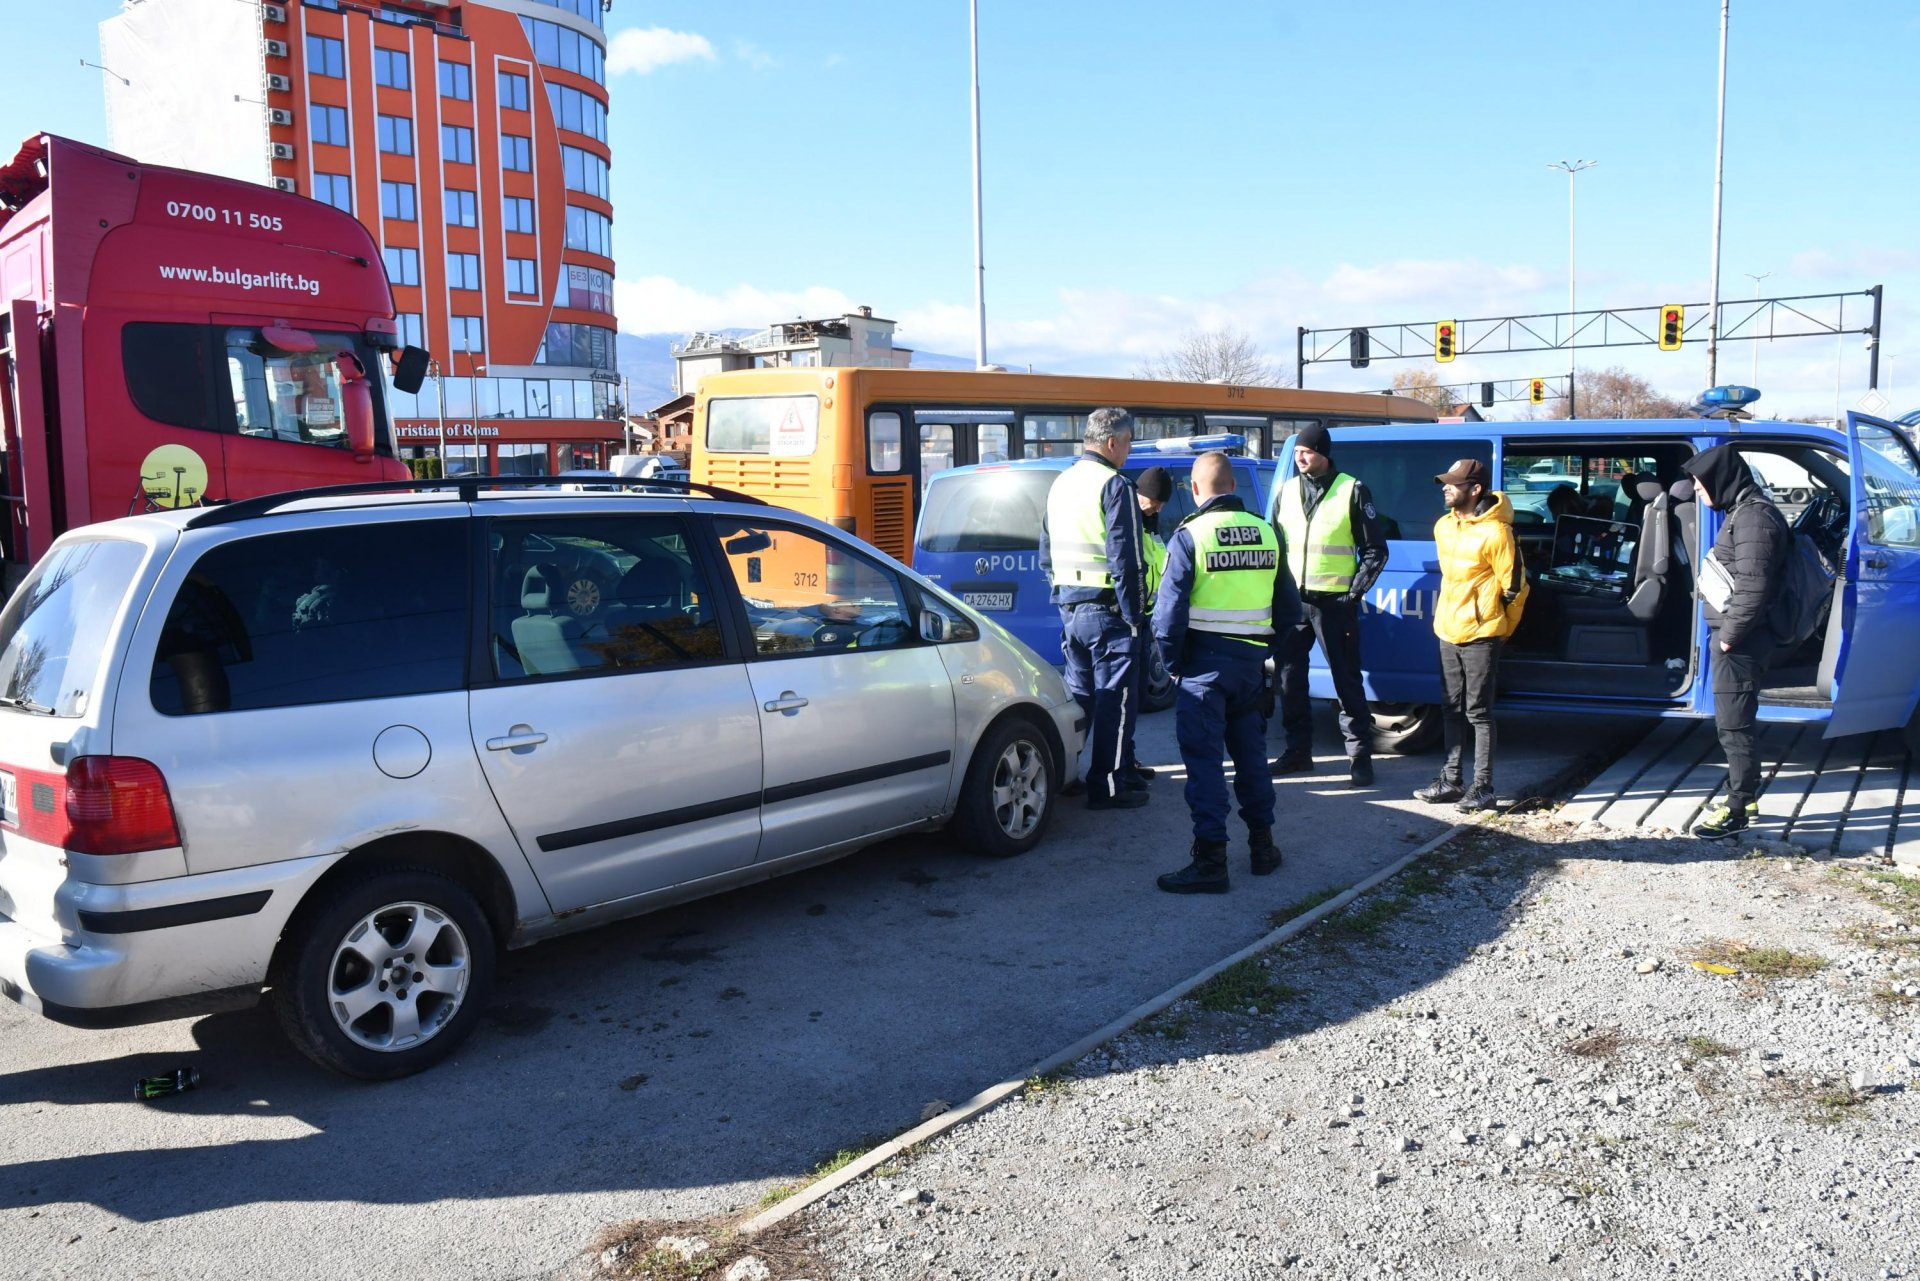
[1090, 550]
[1335, 551]
[1225, 598]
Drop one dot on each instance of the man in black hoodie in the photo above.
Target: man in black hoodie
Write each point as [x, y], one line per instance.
[1750, 553]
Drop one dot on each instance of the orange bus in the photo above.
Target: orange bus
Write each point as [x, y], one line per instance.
[855, 446]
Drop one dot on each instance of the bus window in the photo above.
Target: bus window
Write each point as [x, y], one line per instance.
[1257, 429]
[936, 449]
[883, 442]
[788, 426]
[1053, 435]
[992, 443]
[1162, 426]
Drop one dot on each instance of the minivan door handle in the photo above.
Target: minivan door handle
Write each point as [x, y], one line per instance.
[1878, 562]
[787, 702]
[519, 736]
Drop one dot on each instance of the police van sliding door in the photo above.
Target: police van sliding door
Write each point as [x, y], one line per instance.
[1878, 671]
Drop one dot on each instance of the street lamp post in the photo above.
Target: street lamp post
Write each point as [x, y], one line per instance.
[440, 391]
[1756, 342]
[1719, 172]
[1571, 167]
[979, 250]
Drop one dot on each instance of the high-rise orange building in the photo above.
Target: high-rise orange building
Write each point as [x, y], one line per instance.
[471, 138]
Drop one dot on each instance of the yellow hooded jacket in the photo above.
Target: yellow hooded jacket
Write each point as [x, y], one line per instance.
[1483, 584]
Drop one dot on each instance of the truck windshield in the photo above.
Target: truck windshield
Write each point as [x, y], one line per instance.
[53, 634]
[986, 511]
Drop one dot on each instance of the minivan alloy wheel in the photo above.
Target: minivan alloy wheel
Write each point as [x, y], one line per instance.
[398, 976]
[1020, 788]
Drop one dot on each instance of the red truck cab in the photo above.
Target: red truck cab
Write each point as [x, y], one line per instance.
[173, 338]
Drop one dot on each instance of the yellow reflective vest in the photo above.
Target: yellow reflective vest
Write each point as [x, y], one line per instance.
[1321, 552]
[1236, 560]
[1077, 526]
[1154, 552]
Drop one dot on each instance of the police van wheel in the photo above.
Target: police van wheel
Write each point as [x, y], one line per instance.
[1405, 729]
[1158, 695]
[1006, 801]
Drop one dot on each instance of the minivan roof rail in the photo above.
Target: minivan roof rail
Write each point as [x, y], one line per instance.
[467, 488]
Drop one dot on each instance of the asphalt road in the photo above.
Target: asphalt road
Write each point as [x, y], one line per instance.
[671, 1067]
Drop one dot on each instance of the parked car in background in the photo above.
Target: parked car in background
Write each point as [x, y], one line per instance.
[345, 747]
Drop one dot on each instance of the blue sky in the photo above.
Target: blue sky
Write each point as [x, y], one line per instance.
[1153, 168]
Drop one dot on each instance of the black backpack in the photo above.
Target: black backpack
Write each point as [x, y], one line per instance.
[1805, 593]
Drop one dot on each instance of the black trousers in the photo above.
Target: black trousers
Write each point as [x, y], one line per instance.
[1736, 706]
[1466, 672]
[1335, 623]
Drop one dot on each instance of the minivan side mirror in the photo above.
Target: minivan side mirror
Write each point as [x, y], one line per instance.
[356, 405]
[410, 369]
[939, 625]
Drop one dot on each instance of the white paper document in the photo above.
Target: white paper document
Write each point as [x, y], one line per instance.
[1716, 585]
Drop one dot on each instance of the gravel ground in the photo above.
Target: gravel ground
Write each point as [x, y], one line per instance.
[1542, 1052]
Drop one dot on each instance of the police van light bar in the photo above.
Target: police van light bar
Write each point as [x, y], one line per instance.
[1191, 444]
[1721, 400]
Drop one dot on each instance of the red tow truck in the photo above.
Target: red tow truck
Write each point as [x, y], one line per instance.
[170, 338]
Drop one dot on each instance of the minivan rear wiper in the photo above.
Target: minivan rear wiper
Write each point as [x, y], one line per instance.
[25, 704]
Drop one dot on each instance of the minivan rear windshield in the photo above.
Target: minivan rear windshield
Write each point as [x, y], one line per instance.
[53, 634]
[986, 511]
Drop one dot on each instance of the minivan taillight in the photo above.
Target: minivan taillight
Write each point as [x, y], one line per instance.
[117, 805]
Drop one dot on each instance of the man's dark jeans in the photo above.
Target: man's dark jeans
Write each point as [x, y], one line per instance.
[1335, 622]
[1466, 672]
[1103, 660]
[1736, 705]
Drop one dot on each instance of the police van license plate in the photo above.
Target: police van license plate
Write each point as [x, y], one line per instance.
[988, 600]
[9, 799]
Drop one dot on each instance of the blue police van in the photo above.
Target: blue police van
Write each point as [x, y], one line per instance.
[979, 534]
[1610, 534]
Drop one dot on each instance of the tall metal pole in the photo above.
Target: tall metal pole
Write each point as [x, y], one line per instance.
[440, 389]
[1572, 168]
[1756, 342]
[1719, 173]
[979, 249]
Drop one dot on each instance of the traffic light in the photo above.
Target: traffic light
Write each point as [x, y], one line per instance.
[1359, 349]
[1672, 320]
[1443, 341]
[1486, 395]
[1537, 391]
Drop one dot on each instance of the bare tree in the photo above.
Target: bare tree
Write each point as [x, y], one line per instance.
[1424, 384]
[1215, 356]
[1615, 393]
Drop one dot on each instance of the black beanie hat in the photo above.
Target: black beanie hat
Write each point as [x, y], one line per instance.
[1315, 437]
[1155, 483]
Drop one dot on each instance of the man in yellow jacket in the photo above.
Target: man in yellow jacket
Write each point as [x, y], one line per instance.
[1483, 587]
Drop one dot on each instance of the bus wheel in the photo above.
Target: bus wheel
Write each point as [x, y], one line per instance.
[1405, 729]
[1158, 696]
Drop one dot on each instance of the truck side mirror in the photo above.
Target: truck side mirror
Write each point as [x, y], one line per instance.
[356, 405]
[410, 369]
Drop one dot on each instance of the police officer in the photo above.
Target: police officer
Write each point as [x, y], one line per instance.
[1335, 551]
[1226, 596]
[1090, 550]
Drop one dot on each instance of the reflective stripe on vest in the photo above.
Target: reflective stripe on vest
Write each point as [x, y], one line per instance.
[1077, 526]
[1321, 551]
[1236, 558]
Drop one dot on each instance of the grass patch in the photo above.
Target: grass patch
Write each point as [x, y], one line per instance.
[1365, 918]
[1603, 1044]
[633, 1251]
[1242, 986]
[1882, 938]
[1831, 1106]
[1051, 1087]
[1706, 1047]
[1170, 1027]
[1892, 998]
[774, 1196]
[1760, 962]
[1300, 906]
[1418, 881]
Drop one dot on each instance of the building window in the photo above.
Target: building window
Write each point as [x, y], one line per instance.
[456, 144]
[392, 68]
[513, 92]
[531, 460]
[589, 230]
[334, 189]
[580, 112]
[518, 211]
[463, 271]
[516, 153]
[410, 328]
[587, 287]
[588, 9]
[326, 56]
[403, 265]
[461, 210]
[565, 48]
[464, 334]
[585, 172]
[396, 201]
[396, 135]
[523, 276]
[582, 346]
[329, 126]
[456, 81]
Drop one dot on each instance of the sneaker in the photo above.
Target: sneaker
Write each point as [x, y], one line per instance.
[1266, 855]
[1441, 791]
[1360, 772]
[1719, 819]
[1207, 874]
[1480, 798]
[1127, 798]
[1292, 763]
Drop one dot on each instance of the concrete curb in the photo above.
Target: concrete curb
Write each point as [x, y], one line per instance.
[994, 1094]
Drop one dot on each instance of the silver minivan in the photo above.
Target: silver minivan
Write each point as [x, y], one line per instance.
[344, 746]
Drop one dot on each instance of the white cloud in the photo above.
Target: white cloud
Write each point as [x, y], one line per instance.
[657, 305]
[644, 49]
[753, 55]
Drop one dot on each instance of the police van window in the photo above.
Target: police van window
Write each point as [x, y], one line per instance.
[785, 426]
[1053, 435]
[986, 511]
[807, 594]
[1892, 483]
[883, 442]
[1399, 474]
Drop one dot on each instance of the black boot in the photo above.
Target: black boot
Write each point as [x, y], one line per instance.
[1207, 874]
[1266, 855]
